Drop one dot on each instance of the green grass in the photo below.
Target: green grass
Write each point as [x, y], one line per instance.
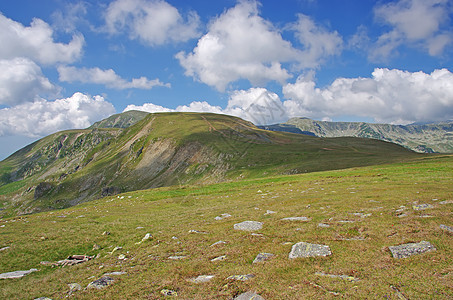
[326, 197]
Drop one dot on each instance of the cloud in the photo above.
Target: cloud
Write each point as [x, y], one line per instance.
[257, 105]
[418, 23]
[44, 117]
[154, 22]
[36, 43]
[240, 44]
[389, 96]
[72, 15]
[106, 77]
[21, 80]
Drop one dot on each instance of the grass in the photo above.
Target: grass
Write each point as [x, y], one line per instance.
[327, 197]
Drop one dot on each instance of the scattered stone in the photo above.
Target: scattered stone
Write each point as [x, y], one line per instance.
[257, 234]
[402, 215]
[222, 216]
[269, 212]
[16, 274]
[139, 227]
[248, 225]
[146, 237]
[344, 277]
[445, 227]
[323, 225]
[262, 257]
[116, 249]
[218, 243]
[106, 233]
[362, 215]
[101, 283]
[117, 273]
[4, 248]
[345, 221]
[73, 287]
[73, 260]
[303, 249]
[249, 296]
[425, 216]
[42, 298]
[177, 257]
[241, 277]
[304, 219]
[202, 278]
[422, 206]
[219, 258]
[446, 202]
[196, 231]
[121, 256]
[406, 250]
[167, 292]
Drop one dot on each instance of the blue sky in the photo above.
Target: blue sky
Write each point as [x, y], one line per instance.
[66, 64]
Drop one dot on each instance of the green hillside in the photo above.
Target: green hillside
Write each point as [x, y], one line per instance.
[363, 212]
[165, 149]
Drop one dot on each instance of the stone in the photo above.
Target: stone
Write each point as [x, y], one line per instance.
[74, 287]
[16, 274]
[249, 296]
[262, 257]
[146, 237]
[177, 257]
[344, 277]
[446, 202]
[248, 225]
[4, 248]
[101, 283]
[406, 250]
[218, 243]
[445, 227]
[304, 219]
[202, 278]
[219, 258]
[241, 277]
[303, 249]
[269, 212]
[42, 298]
[362, 215]
[222, 216]
[197, 231]
[121, 256]
[117, 273]
[116, 249]
[167, 292]
[422, 206]
[323, 225]
[106, 233]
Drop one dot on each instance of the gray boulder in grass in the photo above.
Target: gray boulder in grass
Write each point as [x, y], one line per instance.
[303, 249]
[406, 250]
[248, 225]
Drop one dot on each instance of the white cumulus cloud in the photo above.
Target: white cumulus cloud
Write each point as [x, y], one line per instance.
[154, 22]
[106, 77]
[36, 42]
[389, 96]
[418, 23]
[21, 80]
[240, 44]
[44, 117]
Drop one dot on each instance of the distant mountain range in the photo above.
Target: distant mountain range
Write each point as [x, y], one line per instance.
[424, 138]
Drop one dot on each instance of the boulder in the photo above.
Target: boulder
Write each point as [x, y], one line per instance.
[249, 296]
[262, 257]
[16, 274]
[303, 249]
[202, 278]
[303, 219]
[101, 283]
[406, 250]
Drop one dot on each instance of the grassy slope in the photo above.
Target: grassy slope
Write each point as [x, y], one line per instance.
[326, 197]
[229, 148]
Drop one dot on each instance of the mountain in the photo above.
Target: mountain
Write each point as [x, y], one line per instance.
[425, 138]
[122, 120]
[164, 149]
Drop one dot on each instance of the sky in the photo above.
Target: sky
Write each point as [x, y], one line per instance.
[67, 64]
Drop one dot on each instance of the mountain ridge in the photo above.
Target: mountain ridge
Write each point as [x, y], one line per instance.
[427, 138]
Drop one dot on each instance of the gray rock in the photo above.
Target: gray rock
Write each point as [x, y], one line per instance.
[303, 249]
[4, 248]
[74, 287]
[445, 227]
[249, 296]
[219, 258]
[177, 257]
[262, 257]
[323, 225]
[42, 298]
[115, 273]
[218, 243]
[406, 250]
[446, 202]
[167, 292]
[269, 212]
[422, 206]
[304, 219]
[241, 277]
[16, 274]
[222, 216]
[101, 283]
[248, 225]
[202, 278]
